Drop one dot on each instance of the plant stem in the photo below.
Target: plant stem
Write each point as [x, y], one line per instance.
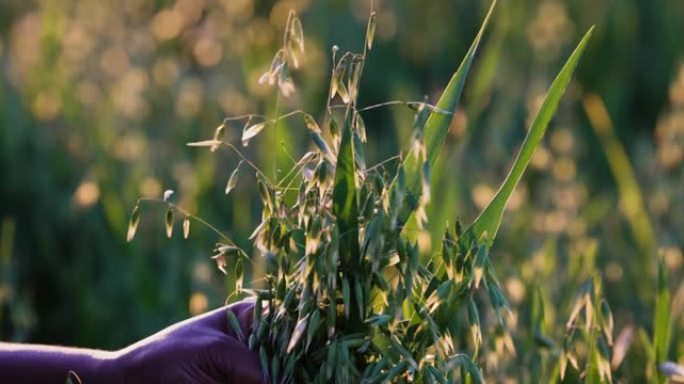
[194, 217]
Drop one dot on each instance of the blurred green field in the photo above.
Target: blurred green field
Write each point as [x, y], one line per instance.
[99, 98]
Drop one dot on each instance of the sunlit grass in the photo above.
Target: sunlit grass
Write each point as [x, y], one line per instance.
[99, 98]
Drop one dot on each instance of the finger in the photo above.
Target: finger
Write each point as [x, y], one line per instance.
[218, 318]
[239, 364]
[245, 314]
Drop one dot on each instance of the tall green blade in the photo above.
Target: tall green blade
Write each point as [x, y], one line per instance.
[490, 218]
[437, 127]
[345, 206]
[630, 194]
[631, 199]
[662, 325]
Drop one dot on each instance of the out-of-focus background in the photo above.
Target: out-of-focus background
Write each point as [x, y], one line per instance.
[98, 99]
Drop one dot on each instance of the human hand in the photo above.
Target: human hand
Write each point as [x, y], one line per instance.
[202, 349]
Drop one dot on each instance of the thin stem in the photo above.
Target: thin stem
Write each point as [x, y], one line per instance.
[187, 214]
[287, 152]
[197, 219]
[292, 180]
[246, 160]
[286, 41]
[242, 117]
[406, 103]
[380, 164]
[278, 118]
[297, 166]
[287, 176]
[289, 114]
[268, 121]
[275, 134]
[273, 120]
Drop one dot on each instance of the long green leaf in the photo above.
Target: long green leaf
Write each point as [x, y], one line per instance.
[662, 319]
[631, 202]
[490, 218]
[437, 125]
[345, 206]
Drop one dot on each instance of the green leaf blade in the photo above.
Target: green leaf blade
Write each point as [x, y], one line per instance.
[437, 125]
[662, 318]
[345, 205]
[490, 218]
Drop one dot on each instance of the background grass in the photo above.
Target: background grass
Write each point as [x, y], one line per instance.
[98, 98]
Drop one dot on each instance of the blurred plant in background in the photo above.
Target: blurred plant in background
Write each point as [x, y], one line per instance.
[98, 98]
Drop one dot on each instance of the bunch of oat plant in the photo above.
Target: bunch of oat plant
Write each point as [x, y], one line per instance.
[346, 297]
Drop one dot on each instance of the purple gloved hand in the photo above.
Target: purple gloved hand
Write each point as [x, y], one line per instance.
[203, 349]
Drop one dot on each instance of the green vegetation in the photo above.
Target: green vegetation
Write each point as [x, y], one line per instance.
[98, 101]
